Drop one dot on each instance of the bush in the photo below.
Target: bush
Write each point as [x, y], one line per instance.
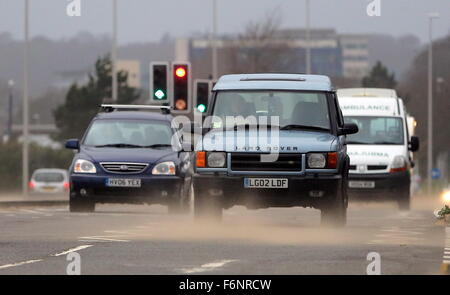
[40, 157]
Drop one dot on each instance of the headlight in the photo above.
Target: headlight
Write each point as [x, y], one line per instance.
[84, 166]
[317, 161]
[164, 168]
[399, 164]
[216, 160]
[446, 197]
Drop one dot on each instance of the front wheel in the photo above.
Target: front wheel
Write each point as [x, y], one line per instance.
[334, 214]
[181, 205]
[81, 206]
[207, 207]
[404, 202]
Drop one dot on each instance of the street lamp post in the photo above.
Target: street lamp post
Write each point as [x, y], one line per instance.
[25, 131]
[214, 41]
[10, 110]
[114, 54]
[431, 16]
[308, 37]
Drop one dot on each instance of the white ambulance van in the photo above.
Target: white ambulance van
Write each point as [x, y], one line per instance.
[381, 152]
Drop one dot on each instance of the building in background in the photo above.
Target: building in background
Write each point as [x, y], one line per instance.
[332, 54]
[355, 55]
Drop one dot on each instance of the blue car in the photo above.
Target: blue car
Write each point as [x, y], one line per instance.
[130, 157]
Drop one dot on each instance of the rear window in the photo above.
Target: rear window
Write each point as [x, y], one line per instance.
[49, 177]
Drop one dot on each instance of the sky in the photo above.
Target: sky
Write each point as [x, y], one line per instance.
[149, 20]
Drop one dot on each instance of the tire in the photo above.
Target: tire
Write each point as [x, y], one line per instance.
[207, 208]
[404, 202]
[181, 205]
[334, 214]
[81, 206]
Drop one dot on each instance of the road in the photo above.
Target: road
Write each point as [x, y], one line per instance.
[129, 239]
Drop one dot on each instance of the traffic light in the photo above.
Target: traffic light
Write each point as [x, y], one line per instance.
[181, 86]
[201, 96]
[159, 78]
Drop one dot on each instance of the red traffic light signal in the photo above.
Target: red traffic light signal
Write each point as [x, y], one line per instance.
[180, 72]
[181, 87]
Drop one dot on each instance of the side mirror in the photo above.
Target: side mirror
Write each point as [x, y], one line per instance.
[73, 144]
[414, 144]
[349, 128]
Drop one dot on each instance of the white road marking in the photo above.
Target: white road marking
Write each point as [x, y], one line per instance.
[19, 263]
[72, 250]
[207, 267]
[103, 238]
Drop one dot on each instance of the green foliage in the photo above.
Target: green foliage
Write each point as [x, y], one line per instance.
[379, 77]
[40, 157]
[82, 102]
[444, 211]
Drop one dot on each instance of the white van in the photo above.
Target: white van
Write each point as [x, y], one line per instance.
[381, 152]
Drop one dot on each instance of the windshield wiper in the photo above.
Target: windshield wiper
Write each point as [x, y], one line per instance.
[119, 145]
[159, 145]
[303, 127]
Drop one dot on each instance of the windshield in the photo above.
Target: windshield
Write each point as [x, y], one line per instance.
[128, 133]
[376, 130]
[293, 108]
[48, 177]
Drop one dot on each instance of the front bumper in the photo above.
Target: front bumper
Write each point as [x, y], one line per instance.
[387, 185]
[160, 189]
[306, 191]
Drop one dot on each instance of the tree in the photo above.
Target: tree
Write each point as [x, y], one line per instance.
[379, 77]
[82, 102]
[415, 85]
[258, 49]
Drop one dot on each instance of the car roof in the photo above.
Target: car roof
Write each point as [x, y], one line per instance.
[367, 92]
[136, 115]
[274, 82]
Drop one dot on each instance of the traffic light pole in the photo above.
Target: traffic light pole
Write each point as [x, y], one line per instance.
[25, 131]
[114, 54]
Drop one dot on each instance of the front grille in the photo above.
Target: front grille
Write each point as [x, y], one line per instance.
[371, 167]
[252, 162]
[130, 168]
[376, 167]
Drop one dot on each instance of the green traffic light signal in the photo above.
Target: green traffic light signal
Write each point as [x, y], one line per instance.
[201, 108]
[159, 94]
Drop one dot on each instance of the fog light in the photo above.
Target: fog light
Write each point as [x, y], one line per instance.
[83, 192]
[164, 193]
[316, 194]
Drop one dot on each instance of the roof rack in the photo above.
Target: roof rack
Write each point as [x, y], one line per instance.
[108, 108]
[299, 79]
